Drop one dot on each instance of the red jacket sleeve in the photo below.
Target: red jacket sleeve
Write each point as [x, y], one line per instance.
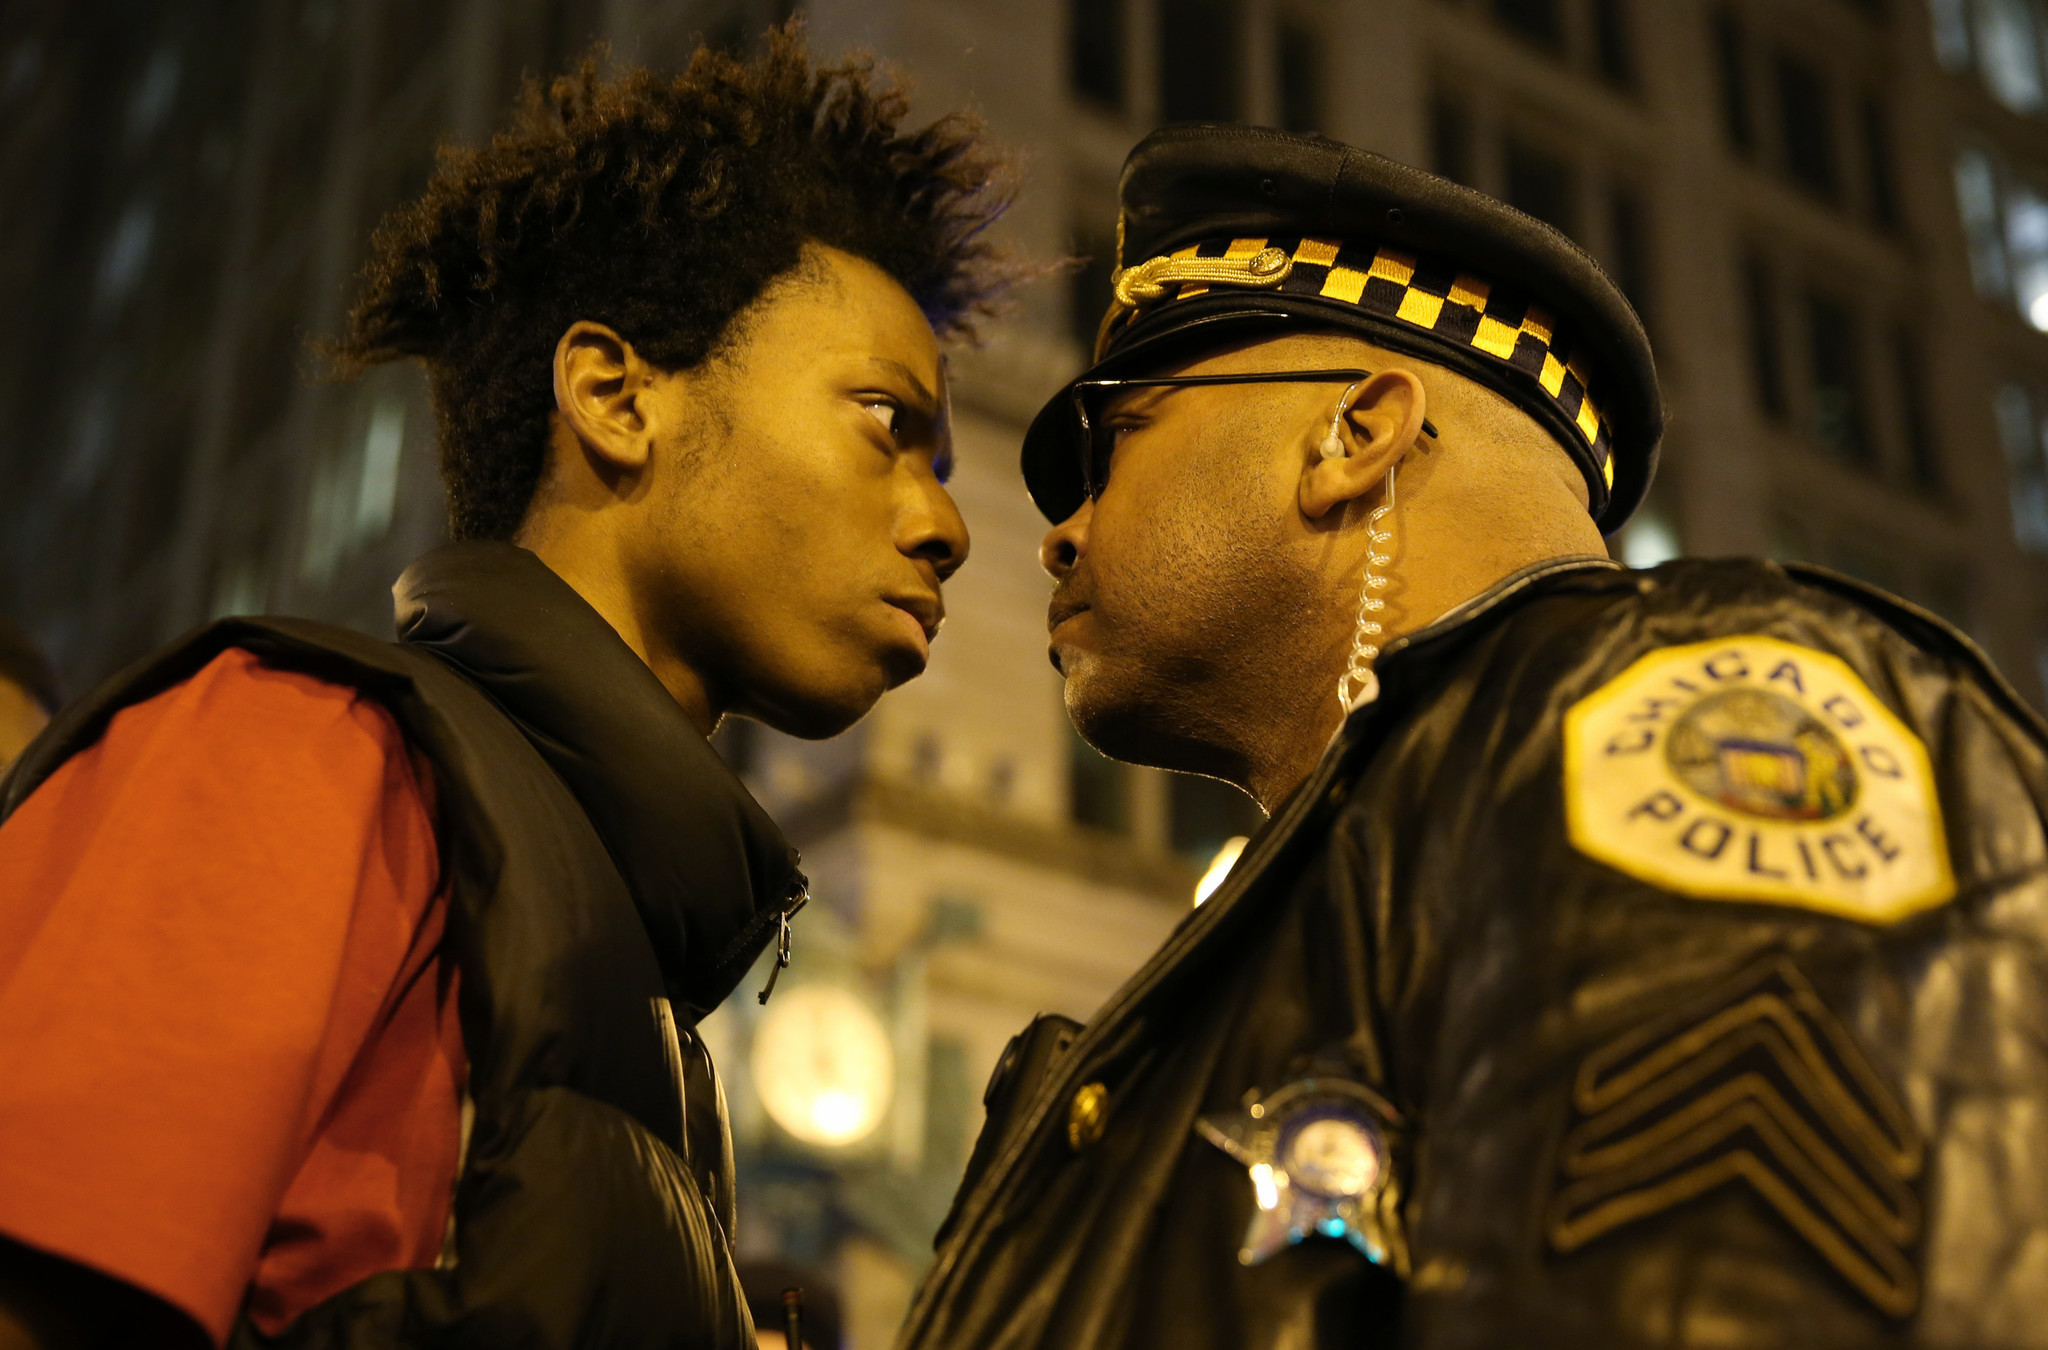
[203, 918]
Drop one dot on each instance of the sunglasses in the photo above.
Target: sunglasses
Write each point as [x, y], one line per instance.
[1098, 438]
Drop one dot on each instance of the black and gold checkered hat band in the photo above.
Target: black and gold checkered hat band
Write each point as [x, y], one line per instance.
[1404, 292]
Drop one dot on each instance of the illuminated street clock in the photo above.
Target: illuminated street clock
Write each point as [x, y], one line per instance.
[823, 1065]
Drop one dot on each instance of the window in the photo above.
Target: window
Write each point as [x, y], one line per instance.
[1629, 250]
[154, 93]
[1095, 51]
[2020, 432]
[1200, 42]
[1450, 139]
[1733, 59]
[126, 255]
[2006, 221]
[2001, 41]
[1760, 295]
[2009, 52]
[1951, 32]
[1204, 813]
[1977, 202]
[1540, 21]
[1298, 62]
[1543, 185]
[1808, 139]
[1611, 44]
[1923, 459]
[96, 420]
[1098, 788]
[1837, 391]
[353, 490]
[2026, 250]
[1877, 159]
[376, 486]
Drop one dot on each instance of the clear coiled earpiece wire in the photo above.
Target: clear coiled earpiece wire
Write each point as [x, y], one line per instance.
[1359, 684]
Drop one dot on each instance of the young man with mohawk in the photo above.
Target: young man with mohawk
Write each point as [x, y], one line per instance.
[347, 988]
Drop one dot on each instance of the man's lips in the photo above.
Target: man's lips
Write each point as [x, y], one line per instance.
[928, 609]
[1059, 611]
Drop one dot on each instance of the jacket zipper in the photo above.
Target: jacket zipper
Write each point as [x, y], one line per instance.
[795, 896]
[799, 896]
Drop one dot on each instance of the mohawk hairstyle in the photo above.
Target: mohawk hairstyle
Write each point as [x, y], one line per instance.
[661, 208]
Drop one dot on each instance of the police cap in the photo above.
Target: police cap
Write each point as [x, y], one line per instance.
[1232, 232]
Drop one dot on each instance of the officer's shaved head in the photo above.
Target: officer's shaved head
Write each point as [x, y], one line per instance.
[1208, 597]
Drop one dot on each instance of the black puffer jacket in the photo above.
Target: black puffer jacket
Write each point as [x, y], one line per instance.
[610, 882]
[1679, 938]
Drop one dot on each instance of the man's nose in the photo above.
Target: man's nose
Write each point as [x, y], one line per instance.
[936, 531]
[1066, 542]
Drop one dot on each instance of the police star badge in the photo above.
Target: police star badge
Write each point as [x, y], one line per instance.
[1321, 1156]
[1749, 768]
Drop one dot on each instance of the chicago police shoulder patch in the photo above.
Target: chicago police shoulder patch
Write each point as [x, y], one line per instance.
[1749, 768]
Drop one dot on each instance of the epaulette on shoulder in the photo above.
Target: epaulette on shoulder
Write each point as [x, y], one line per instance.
[1927, 631]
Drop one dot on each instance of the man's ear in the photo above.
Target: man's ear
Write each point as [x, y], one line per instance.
[1383, 420]
[600, 382]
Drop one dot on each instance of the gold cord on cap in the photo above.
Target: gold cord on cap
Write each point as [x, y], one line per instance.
[1148, 281]
[1154, 279]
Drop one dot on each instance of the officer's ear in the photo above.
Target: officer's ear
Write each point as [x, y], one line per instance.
[1382, 420]
[601, 387]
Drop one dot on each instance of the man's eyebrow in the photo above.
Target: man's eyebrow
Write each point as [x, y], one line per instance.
[1134, 399]
[928, 402]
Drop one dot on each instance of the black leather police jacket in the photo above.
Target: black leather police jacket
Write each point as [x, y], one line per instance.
[1623, 1114]
[609, 881]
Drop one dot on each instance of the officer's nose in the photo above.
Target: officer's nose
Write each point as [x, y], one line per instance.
[1065, 542]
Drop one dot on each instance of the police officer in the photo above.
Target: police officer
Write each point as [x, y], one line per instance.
[1631, 958]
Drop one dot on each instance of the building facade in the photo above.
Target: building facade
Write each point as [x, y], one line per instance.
[1833, 215]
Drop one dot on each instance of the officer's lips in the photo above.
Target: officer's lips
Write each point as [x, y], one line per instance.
[1057, 614]
[1059, 611]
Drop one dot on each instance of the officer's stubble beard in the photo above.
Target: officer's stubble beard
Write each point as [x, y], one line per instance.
[1217, 637]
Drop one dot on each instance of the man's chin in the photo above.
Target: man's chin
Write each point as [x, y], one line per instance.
[1139, 721]
[1117, 734]
[901, 664]
[819, 712]
[1111, 723]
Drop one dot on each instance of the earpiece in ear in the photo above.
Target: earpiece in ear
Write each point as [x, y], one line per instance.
[1333, 444]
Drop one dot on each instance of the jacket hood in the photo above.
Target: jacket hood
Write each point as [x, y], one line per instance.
[710, 873]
